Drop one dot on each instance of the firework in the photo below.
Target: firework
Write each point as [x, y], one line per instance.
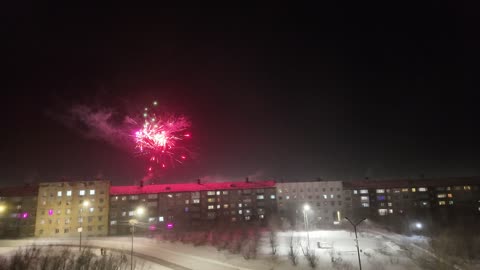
[161, 138]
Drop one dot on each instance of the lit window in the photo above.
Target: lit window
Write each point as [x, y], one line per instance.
[422, 189]
[210, 192]
[225, 205]
[211, 199]
[69, 193]
[151, 219]
[441, 195]
[365, 204]
[260, 197]
[218, 192]
[134, 197]
[413, 189]
[325, 196]
[364, 191]
[170, 196]
[449, 195]
[380, 190]
[92, 191]
[390, 211]
[272, 197]
[382, 212]
[225, 192]
[247, 217]
[160, 219]
[389, 204]
[287, 197]
[131, 213]
[404, 189]
[261, 216]
[355, 191]
[466, 188]
[450, 202]
[218, 206]
[381, 197]
[187, 201]
[113, 222]
[81, 192]
[239, 205]
[364, 198]
[59, 194]
[240, 211]
[196, 200]
[441, 202]
[331, 196]
[91, 209]
[211, 207]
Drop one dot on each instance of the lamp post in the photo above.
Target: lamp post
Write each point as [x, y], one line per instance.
[306, 208]
[80, 229]
[138, 213]
[356, 239]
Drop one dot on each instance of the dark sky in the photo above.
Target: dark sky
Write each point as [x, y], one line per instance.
[338, 92]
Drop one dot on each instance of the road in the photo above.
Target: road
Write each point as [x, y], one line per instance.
[143, 248]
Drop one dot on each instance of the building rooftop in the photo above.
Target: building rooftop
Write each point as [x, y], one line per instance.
[430, 182]
[188, 187]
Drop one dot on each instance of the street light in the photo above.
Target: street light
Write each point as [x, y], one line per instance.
[306, 208]
[85, 204]
[138, 213]
[356, 238]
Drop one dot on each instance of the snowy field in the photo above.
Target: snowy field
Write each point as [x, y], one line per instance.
[378, 251]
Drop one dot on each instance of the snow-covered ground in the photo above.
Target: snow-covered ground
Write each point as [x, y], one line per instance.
[377, 251]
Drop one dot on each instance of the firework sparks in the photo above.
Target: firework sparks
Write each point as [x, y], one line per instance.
[161, 138]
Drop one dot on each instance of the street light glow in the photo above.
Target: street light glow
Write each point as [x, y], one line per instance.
[140, 210]
[418, 225]
[2, 208]
[306, 207]
[86, 203]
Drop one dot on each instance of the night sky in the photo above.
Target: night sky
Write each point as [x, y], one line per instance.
[285, 93]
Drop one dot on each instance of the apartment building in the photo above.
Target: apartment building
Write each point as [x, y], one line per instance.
[419, 199]
[326, 201]
[66, 208]
[191, 206]
[18, 206]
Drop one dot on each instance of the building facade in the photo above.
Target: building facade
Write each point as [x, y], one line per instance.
[66, 208]
[18, 206]
[191, 206]
[327, 202]
[422, 200]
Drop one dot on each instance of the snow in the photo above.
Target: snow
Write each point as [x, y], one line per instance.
[379, 250]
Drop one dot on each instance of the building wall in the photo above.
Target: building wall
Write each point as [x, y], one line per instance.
[17, 216]
[192, 210]
[61, 210]
[327, 200]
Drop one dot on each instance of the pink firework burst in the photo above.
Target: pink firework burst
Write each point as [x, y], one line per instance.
[161, 138]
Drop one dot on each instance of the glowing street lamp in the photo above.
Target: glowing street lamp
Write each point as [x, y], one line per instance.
[138, 213]
[2, 208]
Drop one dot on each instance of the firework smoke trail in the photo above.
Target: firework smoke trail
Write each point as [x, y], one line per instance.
[161, 137]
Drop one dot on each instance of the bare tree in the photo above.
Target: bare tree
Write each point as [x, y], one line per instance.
[293, 252]
[273, 242]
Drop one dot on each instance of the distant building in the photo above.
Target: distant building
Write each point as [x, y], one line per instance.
[65, 207]
[328, 203]
[18, 206]
[191, 206]
[427, 200]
